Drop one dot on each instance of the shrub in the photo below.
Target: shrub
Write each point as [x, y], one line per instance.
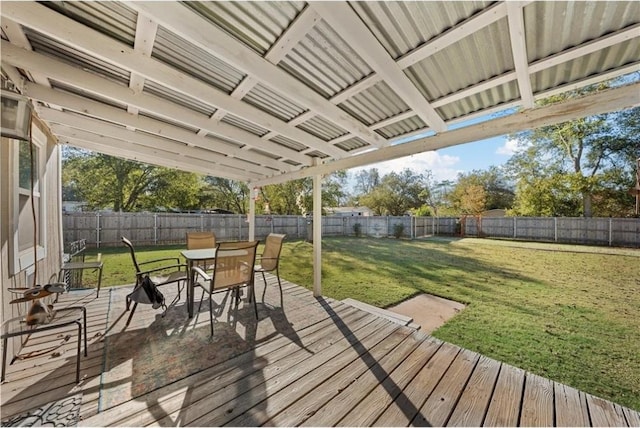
[357, 230]
[398, 230]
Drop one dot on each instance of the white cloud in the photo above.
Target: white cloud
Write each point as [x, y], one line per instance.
[441, 166]
[509, 148]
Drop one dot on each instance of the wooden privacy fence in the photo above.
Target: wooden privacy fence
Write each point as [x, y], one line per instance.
[105, 229]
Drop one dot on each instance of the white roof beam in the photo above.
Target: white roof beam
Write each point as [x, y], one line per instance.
[123, 150]
[113, 114]
[14, 32]
[517, 34]
[350, 27]
[101, 46]
[96, 126]
[201, 33]
[104, 87]
[455, 34]
[190, 161]
[300, 26]
[602, 102]
[146, 31]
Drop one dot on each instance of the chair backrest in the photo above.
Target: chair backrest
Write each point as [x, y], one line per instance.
[271, 254]
[128, 243]
[198, 240]
[234, 264]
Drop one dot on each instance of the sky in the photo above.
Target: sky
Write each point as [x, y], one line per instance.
[445, 164]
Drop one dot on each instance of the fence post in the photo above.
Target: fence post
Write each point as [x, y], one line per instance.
[97, 230]
[155, 229]
[201, 223]
[555, 229]
[514, 228]
[610, 232]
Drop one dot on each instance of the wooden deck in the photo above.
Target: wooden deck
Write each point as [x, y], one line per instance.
[307, 362]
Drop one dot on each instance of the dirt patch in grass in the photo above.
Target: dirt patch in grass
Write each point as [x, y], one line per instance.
[430, 312]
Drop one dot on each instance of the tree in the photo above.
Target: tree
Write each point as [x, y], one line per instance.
[367, 180]
[397, 193]
[104, 181]
[478, 191]
[588, 159]
[226, 194]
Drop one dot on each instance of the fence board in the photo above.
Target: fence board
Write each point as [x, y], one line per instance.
[105, 229]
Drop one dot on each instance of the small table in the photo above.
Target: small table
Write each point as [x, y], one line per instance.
[192, 257]
[64, 317]
[82, 266]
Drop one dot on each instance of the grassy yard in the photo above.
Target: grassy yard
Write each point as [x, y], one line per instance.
[564, 312]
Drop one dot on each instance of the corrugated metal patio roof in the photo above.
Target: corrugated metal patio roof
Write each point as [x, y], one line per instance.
[254, 90]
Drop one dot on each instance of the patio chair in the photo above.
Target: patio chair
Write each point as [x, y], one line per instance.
[269, 260]
[233, 269]
[161, 273]
[200, 240]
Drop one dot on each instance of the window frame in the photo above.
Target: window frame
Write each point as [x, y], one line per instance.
[25, 260]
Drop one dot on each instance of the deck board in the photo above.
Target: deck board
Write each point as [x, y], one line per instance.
[305, 361]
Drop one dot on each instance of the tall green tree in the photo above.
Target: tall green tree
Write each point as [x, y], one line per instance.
[104, 182]
[230, 195]
[397, 193]
[589, 161]
[479, 190]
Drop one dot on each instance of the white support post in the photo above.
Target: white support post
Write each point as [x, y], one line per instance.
[252, 216]
[317, 235]
[97, 230]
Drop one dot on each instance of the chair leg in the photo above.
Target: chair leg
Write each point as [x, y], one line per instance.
[135, 305]
[264, 290]
[280, 286]
[255, 303]
[201, 297]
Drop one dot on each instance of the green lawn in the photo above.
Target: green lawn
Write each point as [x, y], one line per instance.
[569, 313]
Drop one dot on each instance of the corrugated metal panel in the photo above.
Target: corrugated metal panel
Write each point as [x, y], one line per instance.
[273, 103]
[471, 60]
[154, 88]
[114, 19]
[89, 95]
[325, 62]
[352, 144]
[588, 65]
[317, 154]
[268, 154]
[489, 98]
[288, 143]
[375, 104]
[403, 26]
[53, 48]
[322, 128]
[256, 24]
[556, 26]
[403, 127]
[244, 124]
[195, 62]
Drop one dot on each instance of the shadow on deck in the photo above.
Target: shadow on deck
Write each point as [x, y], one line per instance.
[307, 361]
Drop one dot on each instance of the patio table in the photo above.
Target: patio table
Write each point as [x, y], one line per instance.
[193, 257]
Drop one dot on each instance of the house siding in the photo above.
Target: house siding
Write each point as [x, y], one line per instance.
[52, 221]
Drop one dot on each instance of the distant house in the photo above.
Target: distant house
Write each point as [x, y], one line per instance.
[350, 211]
[73, 206]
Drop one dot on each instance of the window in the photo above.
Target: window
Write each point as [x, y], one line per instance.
[22, 255]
